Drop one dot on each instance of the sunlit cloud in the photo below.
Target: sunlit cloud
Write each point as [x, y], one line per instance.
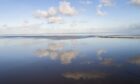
[51, 15]
[66, 8]
[55, 14]
[52, 11]
[60, 14]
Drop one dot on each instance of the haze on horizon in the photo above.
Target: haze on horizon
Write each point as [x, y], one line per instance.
[69, 16]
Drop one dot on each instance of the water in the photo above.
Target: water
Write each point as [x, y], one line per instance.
[69, 61]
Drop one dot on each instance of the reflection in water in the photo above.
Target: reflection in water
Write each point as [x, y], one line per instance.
[55, 46]
[85, 75]
[67, 57]
[135, 60]
[57, 52]
[87, 60]
[47, 53]
[22, 42]
[107, 62]
[100, 52]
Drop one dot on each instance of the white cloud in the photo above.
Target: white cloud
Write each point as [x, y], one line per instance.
[52, 11]
[99, 10]
[103, 3]
[52, 15]
[41, 14]
[55, 19]
[65, 8]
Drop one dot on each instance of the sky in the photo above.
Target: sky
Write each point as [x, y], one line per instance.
[69, 16]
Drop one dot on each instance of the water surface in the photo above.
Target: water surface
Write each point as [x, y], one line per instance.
[69, 61]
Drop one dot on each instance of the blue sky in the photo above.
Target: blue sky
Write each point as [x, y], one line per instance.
[68, 16]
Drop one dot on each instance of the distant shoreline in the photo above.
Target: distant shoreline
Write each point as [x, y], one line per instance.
[72, 36]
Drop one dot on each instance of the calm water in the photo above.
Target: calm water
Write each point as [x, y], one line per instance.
[69, 61]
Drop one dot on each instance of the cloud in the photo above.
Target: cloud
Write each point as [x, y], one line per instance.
[52, 15]
[55, 19]
[99, 10]
[41, 14]
[65, 8]
[135, 2]
[87, 2]
[101, 5]
[107, 2]
[52, 11]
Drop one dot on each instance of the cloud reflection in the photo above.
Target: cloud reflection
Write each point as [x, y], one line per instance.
[107, 61]
[57, 52]
[55, 46]
[85, 75]
[67, 57]
[100, 52]
[135, 60]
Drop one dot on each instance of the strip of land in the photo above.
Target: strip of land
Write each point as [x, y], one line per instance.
[71, 36]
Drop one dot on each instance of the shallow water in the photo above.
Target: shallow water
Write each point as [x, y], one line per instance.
[69, 61]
